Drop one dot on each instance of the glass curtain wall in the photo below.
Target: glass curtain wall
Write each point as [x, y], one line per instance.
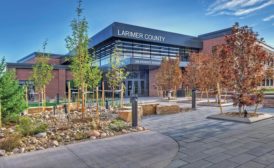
[143, 50]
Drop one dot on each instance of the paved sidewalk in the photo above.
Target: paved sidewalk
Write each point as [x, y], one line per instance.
[144, 149]
[207, 143]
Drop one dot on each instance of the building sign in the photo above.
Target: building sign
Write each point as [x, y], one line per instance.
[138, 35]
[145, 62]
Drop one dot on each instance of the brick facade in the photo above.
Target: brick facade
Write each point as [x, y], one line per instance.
[208, 44]
[152, 79]
[56, 85]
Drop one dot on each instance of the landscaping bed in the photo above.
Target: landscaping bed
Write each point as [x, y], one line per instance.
[46, 130]
[215, 104]
[239, 117]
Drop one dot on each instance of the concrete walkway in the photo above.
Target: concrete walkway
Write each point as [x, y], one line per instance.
[136, 150]
[208, 143]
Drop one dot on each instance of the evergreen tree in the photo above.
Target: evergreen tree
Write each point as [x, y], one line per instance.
[12, 97]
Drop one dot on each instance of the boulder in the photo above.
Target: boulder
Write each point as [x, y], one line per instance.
[41, 135]
[93, 137]
[140, 128]
[103, 134]
[55, 143]
[167, 109]
[16, 150]
[2, 152]
[94, 133]
[21, 150]
[149, 109]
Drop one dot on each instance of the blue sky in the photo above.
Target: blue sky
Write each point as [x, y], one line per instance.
[25, 24]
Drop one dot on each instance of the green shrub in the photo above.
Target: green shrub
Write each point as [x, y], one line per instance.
[27, 126]
[10, 142]
[11, 95]
[11, 118]
[117, 125]
[80, 136]
[41, 127]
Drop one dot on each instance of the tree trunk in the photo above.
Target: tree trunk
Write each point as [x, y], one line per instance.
[40, 100]
[97, 106]
[201, 96]
[78, 99]
[0, 114]
[27, 100]
[122, 95]
[112, 97]
[103, 94]
[219, 97]
[256, 108]
[69, 95]
[44, 98]
[207, 95]
[83, 99]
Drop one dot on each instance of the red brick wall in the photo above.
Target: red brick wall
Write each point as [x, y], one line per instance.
[208, 44]
[152, 78]
[62, 82]
[56, 85]
[23, 74]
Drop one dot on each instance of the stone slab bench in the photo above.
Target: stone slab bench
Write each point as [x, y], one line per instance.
[167, 109]
[149, 109]
[126, 113]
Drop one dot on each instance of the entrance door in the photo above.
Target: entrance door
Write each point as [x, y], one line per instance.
[135, 87]
[129, 88]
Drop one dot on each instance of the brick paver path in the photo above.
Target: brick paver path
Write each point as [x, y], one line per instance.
[216, 144]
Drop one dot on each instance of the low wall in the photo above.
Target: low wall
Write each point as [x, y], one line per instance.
[268, 101]
[35, 110]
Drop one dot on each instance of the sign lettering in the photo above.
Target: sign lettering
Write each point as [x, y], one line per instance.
[138, 35]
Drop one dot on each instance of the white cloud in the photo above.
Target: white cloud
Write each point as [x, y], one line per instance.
[237, 7]
[268, 18]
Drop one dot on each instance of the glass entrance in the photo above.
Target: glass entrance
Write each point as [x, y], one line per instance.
[136, 84]
[135, 87]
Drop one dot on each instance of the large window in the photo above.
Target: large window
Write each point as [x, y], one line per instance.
[144, 50]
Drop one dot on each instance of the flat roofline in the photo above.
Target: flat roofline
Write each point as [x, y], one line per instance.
[215, 34]
[30, 66]
[171, 38]
[34, 54]
[155, 29]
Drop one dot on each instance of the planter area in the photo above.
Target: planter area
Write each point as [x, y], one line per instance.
[46, 130]
[215, 104]
[237, 117]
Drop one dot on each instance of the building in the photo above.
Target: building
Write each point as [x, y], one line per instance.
[141, 50]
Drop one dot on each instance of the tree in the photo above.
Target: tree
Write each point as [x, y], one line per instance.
[77, 44]
[116, 74]
[193, 72]
[206, 74]
[12, 97]
[42, 74]
[94, 78]
[245, 58]
[169, 75]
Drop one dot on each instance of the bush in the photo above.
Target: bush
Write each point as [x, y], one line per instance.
[11, 118]
[10, 142]
[27, 126]
[11, 95]
[117, 125]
